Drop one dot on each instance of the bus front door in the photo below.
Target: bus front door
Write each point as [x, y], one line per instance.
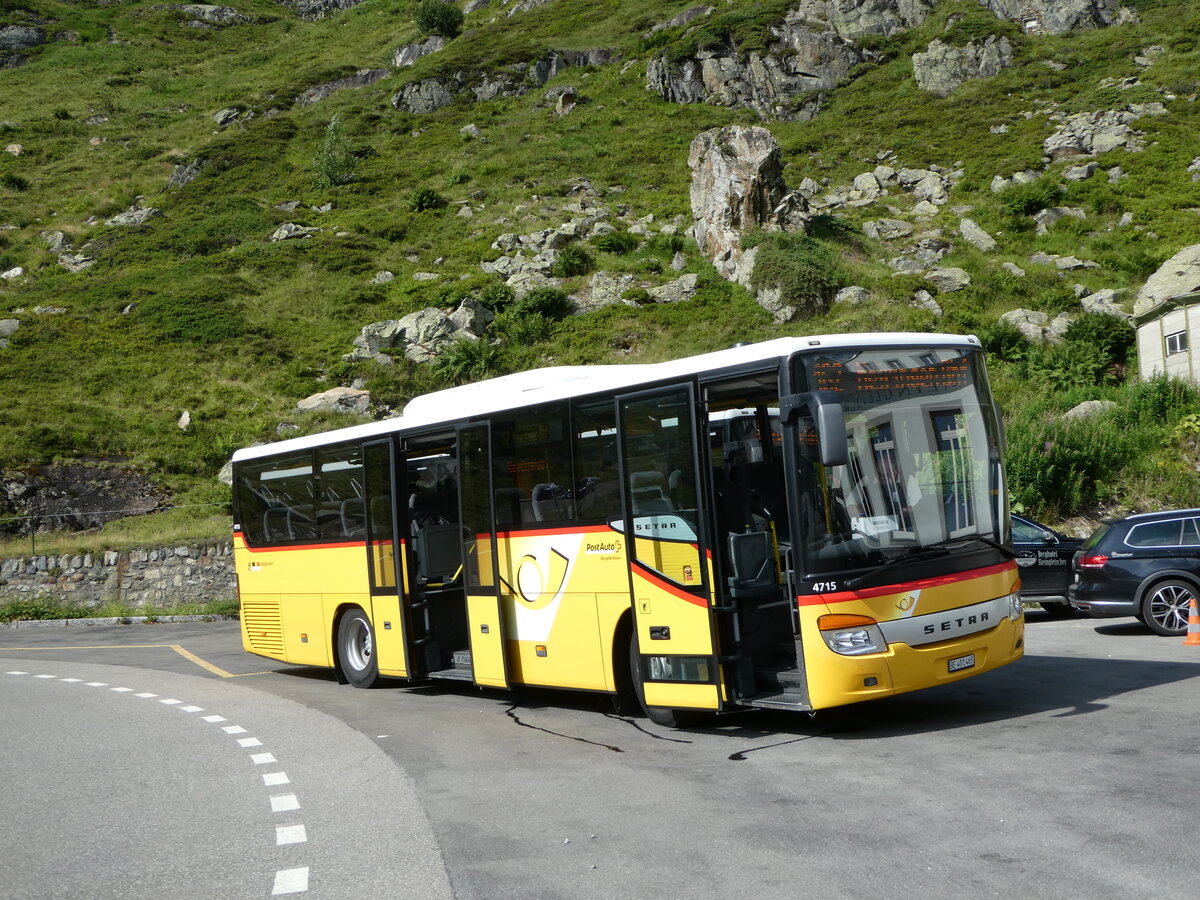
[485, 619]
[397, 629]
[674, 649]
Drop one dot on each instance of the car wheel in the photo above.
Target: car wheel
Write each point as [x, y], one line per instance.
[1165, 607]
[356, 650]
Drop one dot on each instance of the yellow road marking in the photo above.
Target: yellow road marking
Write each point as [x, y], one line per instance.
[186, 654]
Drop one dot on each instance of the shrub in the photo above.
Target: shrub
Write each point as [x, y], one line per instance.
[572, 260]
[497, 296]
[616, 242]
[425, 198]
[14, 182]
[524, 330]
[1026, 199]
[437, 17]
[549, 302]
[805, 271]
[1061, 467]
[1003, 340]
[467, 360]
[638, 295]
[1113, 336]
[334, 162]
[1064, 366]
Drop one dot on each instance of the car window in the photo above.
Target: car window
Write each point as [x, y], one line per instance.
[1096, 536]
[1156, 534]
[1191, 532]
[1024, 531]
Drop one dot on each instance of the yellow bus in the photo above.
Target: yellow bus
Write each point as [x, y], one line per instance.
[796, 524]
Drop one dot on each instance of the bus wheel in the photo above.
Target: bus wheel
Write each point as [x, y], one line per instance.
[356, 650]
[659, 715]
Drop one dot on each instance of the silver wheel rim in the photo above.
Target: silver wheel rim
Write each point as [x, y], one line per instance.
[358, 646]
[1169, 606]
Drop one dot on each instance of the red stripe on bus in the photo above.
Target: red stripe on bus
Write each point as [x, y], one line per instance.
[936, 581]
[662, 584]
[280, 548]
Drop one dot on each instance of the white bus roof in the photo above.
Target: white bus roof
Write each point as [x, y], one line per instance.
[561, 382]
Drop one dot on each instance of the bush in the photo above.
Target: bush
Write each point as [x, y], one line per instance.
[14, 182]
[1111, 335]
[1026, 199]
[425, 198]
[334, 162]
[1003, 340]
[549, 302]
[437, 17]
[524, 330]
[497, 296]
[616, 242]
[466, 360]
[1059, 468]
[572, 260]
[805, 271]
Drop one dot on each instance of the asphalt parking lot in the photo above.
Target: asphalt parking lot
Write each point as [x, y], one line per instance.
[1071, 773]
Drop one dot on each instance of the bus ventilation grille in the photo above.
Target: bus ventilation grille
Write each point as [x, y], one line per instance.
[263, 625]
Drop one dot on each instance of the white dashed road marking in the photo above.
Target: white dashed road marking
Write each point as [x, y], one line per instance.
[287, 881]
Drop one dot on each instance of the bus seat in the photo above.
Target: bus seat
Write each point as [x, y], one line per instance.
[439, 552]
[752, 562]
[551, 503]
[275, 524]
[647, 493]
[354, 517]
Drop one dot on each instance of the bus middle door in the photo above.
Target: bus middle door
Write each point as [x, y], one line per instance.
[669, 563]
[398, 630]
[485, 620]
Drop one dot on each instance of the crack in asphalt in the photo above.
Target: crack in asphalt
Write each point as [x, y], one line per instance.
[511, 713]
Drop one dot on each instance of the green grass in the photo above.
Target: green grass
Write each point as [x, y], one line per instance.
[198, 311]
[40, 609]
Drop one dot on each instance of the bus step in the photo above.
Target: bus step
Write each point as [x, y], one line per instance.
[453, 675]
[779, 679]
[781, 700]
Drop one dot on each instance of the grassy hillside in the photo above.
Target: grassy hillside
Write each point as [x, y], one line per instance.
[196, 310]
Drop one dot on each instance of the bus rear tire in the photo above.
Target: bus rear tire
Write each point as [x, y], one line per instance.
[659, 715]
[356, 650]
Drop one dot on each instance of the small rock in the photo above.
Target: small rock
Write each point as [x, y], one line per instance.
[1013, 268]
[975, 235]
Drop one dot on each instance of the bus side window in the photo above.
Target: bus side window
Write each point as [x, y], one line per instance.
[594, 448]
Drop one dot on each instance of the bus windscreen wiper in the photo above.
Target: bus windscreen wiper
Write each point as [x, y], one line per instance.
[930, 551]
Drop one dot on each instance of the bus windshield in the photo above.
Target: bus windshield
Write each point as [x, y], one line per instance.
[923, 473]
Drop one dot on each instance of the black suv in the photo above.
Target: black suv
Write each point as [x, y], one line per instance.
[1146, 566]
[1044, 557]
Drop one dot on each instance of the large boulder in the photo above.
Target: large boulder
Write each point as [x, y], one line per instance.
[1178, 275]
[1055, 16]
[319, 92]
[338, 399]
[943, 67]
[20, 37]
[854, 18]
[737, 184]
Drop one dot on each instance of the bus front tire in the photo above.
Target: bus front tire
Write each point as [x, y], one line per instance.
[356, 650]
[659, 715]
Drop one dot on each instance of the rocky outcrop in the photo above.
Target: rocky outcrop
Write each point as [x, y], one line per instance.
[1055, 16]
[16, 38]
[420, 336]
[943, 67]
[854, 18]
[338, 399]
[361, 78]
[788, 83]
[1178, 275]
[1085, 134]
[407, 54]
[138, 214]
[315, 10]
[185, 173]
[75, 497]
[737, 184]
[1037, 326]
[204, 15]
[430, 94]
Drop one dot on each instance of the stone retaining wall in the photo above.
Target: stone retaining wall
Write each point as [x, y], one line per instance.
[143, 579]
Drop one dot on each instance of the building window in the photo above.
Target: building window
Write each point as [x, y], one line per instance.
[1177, 343]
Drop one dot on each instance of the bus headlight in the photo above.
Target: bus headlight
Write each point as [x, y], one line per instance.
[852, 635]
[1015, 606]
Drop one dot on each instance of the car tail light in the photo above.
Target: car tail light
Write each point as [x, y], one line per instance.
[1091, 562]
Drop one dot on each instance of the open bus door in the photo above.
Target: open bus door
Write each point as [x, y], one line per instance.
[485, 621]
[397, 630]
[674, 650]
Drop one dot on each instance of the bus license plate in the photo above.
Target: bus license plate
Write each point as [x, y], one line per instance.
[962, 662]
